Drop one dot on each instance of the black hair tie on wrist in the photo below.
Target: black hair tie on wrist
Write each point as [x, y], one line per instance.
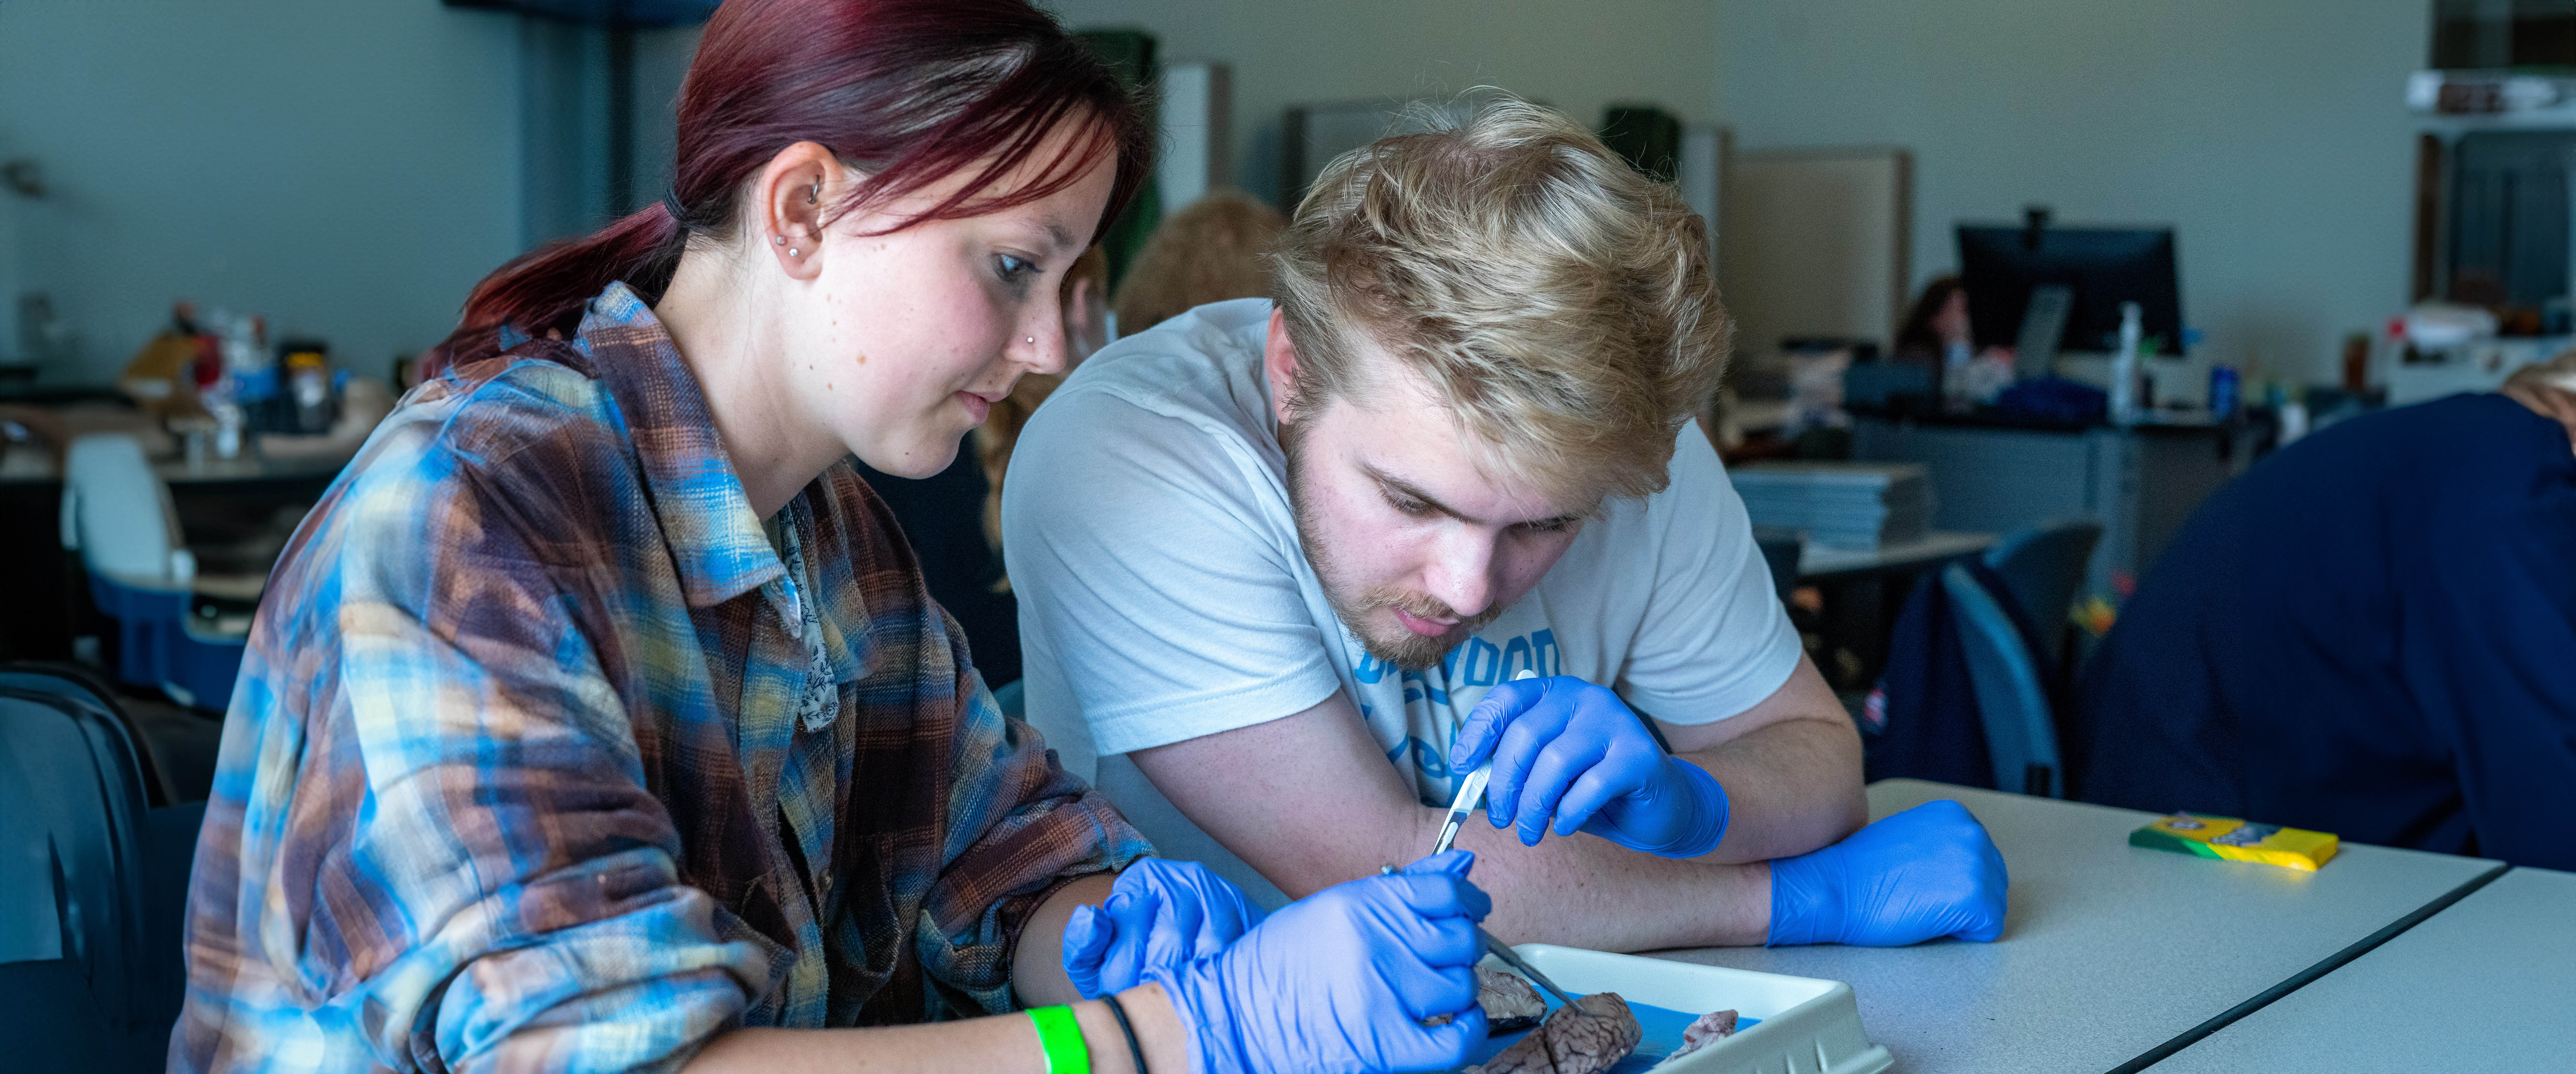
[1133, 1047]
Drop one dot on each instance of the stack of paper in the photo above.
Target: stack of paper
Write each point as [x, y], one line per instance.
[1859, 505]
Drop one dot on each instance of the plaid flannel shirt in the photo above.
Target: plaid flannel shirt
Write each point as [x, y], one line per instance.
[542, 759]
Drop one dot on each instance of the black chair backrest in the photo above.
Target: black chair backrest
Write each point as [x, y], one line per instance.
[82, 935]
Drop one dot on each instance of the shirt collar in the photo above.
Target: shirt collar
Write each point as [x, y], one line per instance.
[705, 515]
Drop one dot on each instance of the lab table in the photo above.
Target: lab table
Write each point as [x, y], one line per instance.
[2109, 951]
[2489, 983]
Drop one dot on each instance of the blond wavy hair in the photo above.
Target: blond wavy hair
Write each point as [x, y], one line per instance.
[1559, 301]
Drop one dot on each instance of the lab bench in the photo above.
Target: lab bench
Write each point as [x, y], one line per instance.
[2112, 954]
[2488, 983]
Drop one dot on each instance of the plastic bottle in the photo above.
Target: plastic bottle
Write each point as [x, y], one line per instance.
[1954, 374]
[2124, 366]
[2223, 388]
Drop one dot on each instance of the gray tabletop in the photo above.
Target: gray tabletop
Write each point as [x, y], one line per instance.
[2108, 950]
[1817, 561]
[2488, 984]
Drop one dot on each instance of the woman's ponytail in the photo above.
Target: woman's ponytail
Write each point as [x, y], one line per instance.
[547, 288]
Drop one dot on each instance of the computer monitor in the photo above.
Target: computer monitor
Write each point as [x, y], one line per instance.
[2101, 268]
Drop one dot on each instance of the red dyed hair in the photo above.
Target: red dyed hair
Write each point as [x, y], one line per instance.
[909, 91]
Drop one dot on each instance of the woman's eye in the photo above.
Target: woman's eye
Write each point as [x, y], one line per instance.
[1014, 269]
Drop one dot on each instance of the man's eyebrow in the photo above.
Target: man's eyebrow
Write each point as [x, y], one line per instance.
[1402, 487]
[1408, 489]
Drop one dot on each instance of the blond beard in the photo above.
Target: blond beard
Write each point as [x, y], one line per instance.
[1406, 649]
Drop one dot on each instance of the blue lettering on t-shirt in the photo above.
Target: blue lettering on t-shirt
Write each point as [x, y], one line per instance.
[1428, 761]
[1417, 686]
[1544, 654]
[1516, 657]
[1484, 662]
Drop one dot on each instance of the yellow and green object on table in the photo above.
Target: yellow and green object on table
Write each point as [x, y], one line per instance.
[2236, 840]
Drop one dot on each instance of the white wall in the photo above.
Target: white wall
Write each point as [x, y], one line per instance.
[2271, 133]
[1578, 57]
[347, 167]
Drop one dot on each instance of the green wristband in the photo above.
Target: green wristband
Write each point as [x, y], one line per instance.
[1061, 1036]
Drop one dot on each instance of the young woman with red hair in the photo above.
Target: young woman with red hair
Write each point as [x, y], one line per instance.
[598, 719]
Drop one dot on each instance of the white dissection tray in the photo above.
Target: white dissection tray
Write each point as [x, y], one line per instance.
[1807, 1026]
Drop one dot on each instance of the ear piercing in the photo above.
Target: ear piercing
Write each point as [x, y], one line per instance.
[1033, 339]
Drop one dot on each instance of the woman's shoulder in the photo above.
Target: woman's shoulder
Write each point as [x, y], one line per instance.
[495, 461]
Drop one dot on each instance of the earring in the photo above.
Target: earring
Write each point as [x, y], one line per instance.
[813, 192]
[791, 252]
[779, 239]
[1033, 339]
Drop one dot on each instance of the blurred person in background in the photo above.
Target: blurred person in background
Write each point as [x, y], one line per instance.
[2370, 633]
[1211, 251]
[1937, 336]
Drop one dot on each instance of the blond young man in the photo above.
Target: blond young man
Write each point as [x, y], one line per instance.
[1289, 560]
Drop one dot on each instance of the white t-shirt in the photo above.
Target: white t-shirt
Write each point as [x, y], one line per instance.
[1164, 596]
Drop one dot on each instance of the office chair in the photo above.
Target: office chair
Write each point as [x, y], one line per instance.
[2043, 567]
[117, 513]
[93, 883]
[2012, 696]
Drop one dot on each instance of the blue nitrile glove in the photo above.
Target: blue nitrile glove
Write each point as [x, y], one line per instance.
[1160, 913]
[1566, 748]
[1342, 979]
[1924, 873]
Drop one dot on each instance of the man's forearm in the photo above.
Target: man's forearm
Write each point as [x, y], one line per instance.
[1791, 787]
[1584, 891]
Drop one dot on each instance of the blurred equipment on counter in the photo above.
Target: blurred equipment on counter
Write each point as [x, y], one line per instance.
[45, 338]
[1839, 504]
[118, 515]
[2223, 391]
